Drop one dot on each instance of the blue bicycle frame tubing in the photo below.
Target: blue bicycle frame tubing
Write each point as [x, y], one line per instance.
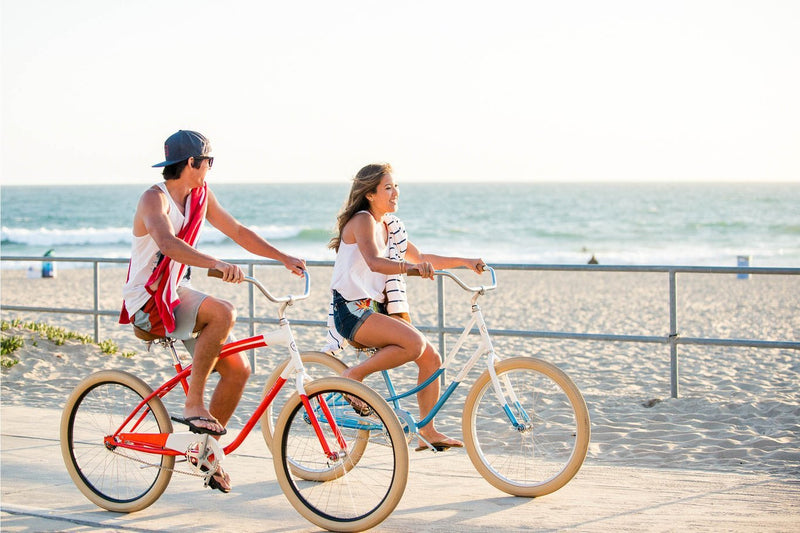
[335, 401]
[511, 417]
[393, 396]
[442, 400]
[392, 392]
[477, 318]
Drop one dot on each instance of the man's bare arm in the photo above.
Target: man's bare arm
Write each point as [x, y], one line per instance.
[247, 238]
[151, 217]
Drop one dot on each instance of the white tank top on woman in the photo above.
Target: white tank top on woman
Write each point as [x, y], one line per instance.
[352, 278]
[145, 256]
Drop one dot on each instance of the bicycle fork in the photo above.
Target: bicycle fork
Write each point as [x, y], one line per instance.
[502, 387]
[296, 366]
[330, 454]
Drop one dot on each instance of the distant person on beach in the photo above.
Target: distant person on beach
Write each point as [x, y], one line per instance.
[367, 286]
[158, 297]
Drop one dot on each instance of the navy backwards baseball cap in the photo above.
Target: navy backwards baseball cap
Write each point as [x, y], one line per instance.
[182, 145]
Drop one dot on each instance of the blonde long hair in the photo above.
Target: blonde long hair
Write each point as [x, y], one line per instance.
[365, 182]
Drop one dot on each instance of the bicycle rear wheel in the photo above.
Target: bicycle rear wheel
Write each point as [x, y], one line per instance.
[547, 447]
[352, 492]
[113, 478]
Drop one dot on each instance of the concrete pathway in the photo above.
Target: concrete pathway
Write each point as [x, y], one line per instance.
[444, 493]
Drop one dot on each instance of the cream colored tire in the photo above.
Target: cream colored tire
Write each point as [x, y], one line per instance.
[362, 491]
[113, 478]
[548, 446]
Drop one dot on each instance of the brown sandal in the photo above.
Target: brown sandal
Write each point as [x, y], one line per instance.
[358, 406]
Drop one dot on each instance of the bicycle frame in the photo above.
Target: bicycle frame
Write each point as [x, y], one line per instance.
[176, 443]
[484, 348]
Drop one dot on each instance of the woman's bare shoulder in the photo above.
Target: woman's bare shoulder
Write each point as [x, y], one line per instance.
[361, 223]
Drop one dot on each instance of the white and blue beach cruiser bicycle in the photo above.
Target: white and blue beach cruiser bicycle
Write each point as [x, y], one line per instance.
[525, 423]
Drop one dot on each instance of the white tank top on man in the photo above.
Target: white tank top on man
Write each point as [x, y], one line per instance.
[145, 256]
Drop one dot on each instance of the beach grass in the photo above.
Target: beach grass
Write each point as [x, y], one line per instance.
[9, 345]
[12, 342]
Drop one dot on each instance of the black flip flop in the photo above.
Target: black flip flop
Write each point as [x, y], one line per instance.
[199, 429]
[214, 484]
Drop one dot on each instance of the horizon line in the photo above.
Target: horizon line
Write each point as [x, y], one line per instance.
[283, 181]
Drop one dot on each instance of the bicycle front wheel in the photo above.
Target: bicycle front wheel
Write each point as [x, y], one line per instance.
[350, 492]
[317, 365]
[113, 478]
[548, 444]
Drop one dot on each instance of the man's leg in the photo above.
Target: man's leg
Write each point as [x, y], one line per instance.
[215, 319]
[234, 372]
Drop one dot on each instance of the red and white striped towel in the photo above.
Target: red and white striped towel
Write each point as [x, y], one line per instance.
[169, 272]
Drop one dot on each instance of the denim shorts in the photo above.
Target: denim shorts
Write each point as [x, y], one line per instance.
[349, 315]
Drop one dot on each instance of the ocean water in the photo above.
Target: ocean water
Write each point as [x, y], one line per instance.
[540, 223]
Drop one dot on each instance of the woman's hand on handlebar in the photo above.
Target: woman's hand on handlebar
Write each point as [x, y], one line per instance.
[296, 265]
[230, 273]
[476, 265]
[425, 269]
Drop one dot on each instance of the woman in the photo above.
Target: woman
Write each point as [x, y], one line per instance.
[359, 282]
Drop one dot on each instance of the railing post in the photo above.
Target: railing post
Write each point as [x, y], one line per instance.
[440, 319]
[440, 314]
[96, 272]
[673, 333]
[251, 308]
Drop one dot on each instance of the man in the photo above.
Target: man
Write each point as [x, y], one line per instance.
[158, 298]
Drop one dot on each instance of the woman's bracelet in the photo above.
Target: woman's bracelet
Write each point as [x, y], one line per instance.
[403, 267]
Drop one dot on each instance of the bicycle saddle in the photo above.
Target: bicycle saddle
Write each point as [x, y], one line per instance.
[145, 335]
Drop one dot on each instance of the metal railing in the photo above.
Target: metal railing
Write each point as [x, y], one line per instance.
[95, 311]
[673, 339]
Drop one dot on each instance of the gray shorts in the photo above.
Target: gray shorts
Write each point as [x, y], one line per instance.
[186, 313]
[148, 320]
[185, 317]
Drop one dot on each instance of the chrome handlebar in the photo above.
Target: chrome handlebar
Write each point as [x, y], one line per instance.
[288, 300]
[446, 273]
[480, 289]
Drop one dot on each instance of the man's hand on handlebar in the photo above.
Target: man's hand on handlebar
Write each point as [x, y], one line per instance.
[230, 273]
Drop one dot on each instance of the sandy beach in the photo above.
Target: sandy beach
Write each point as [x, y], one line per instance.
[738, 410]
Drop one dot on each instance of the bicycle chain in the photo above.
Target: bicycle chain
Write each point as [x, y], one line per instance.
[116, 451]
[173, 470]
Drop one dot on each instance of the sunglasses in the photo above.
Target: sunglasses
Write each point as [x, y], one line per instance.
[199, 159]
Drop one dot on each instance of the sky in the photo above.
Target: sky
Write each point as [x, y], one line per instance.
[698, 90]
